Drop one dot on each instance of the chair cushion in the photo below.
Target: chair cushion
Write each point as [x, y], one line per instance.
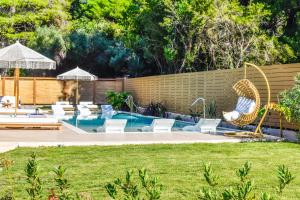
[245, 106]
[231, 116]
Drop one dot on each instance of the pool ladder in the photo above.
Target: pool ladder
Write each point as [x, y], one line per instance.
[203, 103]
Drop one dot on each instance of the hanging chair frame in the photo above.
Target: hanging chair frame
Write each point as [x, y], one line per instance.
[246, 119]
[258, 128]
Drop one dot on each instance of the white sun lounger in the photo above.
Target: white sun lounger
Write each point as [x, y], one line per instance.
[20, 111]
[65, 105]
[29, 123]
[83, 110]
[204, 126]
[89, 105]
[160, 126]
[113, 126]
[58, 110]
[89, 117]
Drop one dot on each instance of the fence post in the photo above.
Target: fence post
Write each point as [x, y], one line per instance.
[3, 86]
[34, 91]
[94, 92]
[124, 83]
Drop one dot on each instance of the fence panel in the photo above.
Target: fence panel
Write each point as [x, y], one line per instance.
[178, 91]
[43, 90]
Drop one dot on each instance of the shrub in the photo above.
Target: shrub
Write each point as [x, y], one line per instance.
[243, 190]
[147, 188]
[211, 109]
[156, 109]
[290, 99]
[117, 99]
[34, 189]
[62, 183]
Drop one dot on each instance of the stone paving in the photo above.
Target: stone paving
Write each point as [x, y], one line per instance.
[68, 136]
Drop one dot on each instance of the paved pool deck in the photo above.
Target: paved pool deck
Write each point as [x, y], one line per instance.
[69, 136]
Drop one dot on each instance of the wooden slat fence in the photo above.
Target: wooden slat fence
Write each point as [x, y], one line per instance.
[42, 91]
[178, 91]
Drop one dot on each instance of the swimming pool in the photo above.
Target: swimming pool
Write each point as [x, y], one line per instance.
[134, 122]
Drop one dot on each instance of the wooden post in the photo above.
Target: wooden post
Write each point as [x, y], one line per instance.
[3, 86]
[16, 89]
[34, 91]
[77, 88]
[94, 92]
[124, 83]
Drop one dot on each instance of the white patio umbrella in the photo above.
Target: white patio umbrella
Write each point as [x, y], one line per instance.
[77, 74]
[18, 57]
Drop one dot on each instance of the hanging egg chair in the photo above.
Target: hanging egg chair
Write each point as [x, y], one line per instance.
[248, 103]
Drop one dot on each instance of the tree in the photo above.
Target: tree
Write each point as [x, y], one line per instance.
[19, 19]
[218, 34]
[51, 42]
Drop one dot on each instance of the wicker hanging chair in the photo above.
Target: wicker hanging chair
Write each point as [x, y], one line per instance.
[245, 88]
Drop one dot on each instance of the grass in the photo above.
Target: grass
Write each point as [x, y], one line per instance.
[179, 167]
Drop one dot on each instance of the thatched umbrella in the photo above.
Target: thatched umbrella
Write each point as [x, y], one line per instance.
[77, 74]
[17, 56]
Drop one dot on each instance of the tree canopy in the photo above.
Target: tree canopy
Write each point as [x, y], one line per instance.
[145, 37]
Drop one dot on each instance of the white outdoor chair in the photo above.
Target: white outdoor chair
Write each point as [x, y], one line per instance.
[113, 126]
[89, 104]
[83, 110]
[65, 105]
[42, 122]
[204, 126]
[160, 126]
[244, 106]
[107, 111]
[58, 110]
[62, 103]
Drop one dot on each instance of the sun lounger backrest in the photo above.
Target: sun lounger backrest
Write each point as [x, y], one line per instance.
[115, 125]
[62, 103]
[162, 125]
[208, 122]
[57, 110]
[86, 103]
[106, 108]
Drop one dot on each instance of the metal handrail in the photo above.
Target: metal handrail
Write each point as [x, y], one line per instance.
[203, 101]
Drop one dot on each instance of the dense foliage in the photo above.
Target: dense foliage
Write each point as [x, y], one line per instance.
[117, 100]
[290, 99]
[143, 37]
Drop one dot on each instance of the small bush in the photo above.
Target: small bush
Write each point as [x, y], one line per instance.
[147, 188]
[117, 100]
[34, 189]
[243, 190]
[156, 109]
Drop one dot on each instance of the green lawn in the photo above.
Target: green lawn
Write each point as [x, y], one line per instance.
[179, 167]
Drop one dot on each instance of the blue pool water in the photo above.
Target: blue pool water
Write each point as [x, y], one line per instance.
[134, 122]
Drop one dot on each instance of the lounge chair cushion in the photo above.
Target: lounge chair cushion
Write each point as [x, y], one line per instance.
[58, 110]
[26, 119]
[19, 111]
[62, 103]
[83, 110]
[231, 116]
[10, 99]
[85, 103]
[245, 105]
